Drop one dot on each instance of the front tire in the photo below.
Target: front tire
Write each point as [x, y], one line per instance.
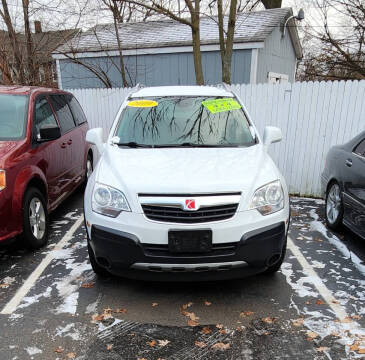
[334, 206]
[35, 219]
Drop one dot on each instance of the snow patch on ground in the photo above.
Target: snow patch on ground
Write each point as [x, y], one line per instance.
[68, 287]
[32, 350]
[93, 307]
[299, 287]
[316, 225]
[66, 331]
[29, 300]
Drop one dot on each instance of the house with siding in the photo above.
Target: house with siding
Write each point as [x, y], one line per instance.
[44, 43]
[160, 52]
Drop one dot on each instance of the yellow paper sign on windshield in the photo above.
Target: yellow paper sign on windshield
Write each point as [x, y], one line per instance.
[143, 103]
[220, 105]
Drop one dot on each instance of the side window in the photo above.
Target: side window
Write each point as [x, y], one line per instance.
[63, 112]
[43, 115]
[360, 149]
[77, 111]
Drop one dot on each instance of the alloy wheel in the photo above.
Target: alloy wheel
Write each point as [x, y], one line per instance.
[37, 218]
[334, 203]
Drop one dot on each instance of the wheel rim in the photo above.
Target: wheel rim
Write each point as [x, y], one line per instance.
[89, 168]
[37, 218]
[333, 206]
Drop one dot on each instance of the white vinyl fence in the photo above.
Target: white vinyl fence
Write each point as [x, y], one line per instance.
[312, 116]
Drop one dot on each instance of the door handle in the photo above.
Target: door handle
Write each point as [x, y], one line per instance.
[349, 162]
[63, 145]
[69, 142]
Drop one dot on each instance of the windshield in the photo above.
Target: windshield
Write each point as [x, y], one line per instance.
[13, 111]
[184, 121]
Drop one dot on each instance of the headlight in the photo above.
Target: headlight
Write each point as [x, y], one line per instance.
[268, 198]
[108, 201]
[2, 180]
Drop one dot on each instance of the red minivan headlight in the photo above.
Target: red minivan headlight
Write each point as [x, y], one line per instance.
[2, 180]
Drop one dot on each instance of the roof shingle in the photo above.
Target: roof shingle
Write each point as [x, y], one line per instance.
[250, 27]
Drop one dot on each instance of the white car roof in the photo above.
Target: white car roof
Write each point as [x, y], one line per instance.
[181, 91]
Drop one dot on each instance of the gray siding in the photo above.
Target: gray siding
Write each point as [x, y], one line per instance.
[154, 70]
[277, 56]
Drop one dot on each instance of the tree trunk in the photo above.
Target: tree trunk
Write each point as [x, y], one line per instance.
[197, 56]
[14, 42]
[32, 76]
[195, 30]
[121, 60]
[272, 4]
[228, 43]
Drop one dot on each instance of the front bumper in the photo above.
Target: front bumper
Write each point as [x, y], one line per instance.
[124, 254]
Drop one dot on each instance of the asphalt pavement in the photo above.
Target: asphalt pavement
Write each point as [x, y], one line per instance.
[52, 306]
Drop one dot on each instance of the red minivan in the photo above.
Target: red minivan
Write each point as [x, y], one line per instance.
[43, 158]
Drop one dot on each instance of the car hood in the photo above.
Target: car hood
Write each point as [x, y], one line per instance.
[186, 170]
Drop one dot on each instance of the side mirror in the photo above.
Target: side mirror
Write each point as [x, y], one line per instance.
[272, 135]
[49, 132]
[95, 137]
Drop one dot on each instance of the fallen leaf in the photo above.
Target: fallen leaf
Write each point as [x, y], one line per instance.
[109, 347]
[200, 344]
[191, 315]
[239, 328]
[71, 355]
[308, 303]
[185, 306]
[108, 311]
[207, 303]
[223, 331]
[298, 322]
[219, 326]
[163, 343]
[141, 359]
[206, 330]
[88, 285]
[356, 317]
[220, 346]
[347, 319]
[334, 302]
[268, 320]
[97, 318]
[311, 335]
[319, 302]
[246, 313]
[151, 343]
[322, 348]
[154, 304]
[59, 350]
[121, 311]
[4, 286]
[193, 323]
[131, 334]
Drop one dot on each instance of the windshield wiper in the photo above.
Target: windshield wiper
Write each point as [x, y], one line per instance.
[190, 144]
[133, 144]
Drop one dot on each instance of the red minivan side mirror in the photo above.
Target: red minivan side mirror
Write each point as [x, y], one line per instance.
[49, 132]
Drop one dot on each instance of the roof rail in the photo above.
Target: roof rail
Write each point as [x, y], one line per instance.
[226, 86]
[135, 89]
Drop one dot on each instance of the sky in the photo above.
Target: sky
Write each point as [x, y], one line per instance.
[61, 14]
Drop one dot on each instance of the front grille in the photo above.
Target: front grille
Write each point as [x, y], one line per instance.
[177, 215]
[223, 249]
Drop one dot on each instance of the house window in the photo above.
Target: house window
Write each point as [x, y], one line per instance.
[41, 74]
[54, 71]
[275, 78]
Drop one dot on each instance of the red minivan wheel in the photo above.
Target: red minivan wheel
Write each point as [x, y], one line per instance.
[35, 219]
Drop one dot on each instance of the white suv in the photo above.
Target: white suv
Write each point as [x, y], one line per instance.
[185, 189]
